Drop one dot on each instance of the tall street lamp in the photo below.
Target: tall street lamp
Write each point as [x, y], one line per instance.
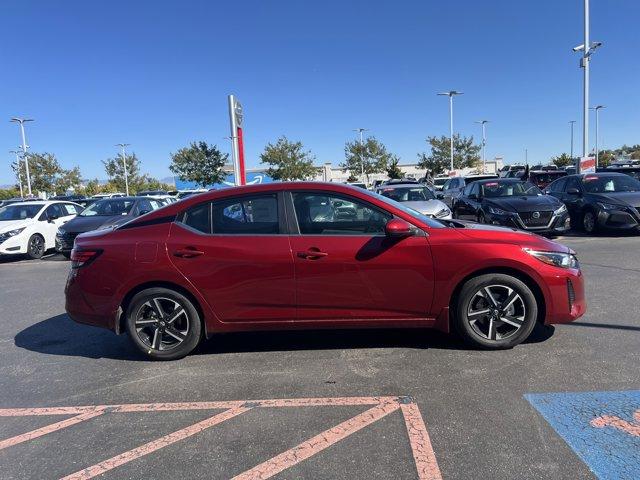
[361, 131]
[484, 142]
[124, 164]
[451, 94]
[587, 49]
[597, 108]
[572, 122]
[19, 163]
[22, 121]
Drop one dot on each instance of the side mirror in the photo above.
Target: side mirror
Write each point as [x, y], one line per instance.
[573, 191]
[439, 195]
[51, 218]
[546, 191]
[398, 228]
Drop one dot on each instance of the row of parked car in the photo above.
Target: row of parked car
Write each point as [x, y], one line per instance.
[31, 227]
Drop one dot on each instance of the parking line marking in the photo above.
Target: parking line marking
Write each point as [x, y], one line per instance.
[147, 448]
[39, 432]
[318, 443]
[423, 454]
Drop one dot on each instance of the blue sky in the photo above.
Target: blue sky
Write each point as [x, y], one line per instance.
[156, 74]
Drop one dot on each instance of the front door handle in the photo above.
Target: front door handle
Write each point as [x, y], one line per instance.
[188, 253]
[312, 254]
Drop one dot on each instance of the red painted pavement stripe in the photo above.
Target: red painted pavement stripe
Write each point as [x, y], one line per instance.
[150, 447]
[159, 407]
[318, 443]
[423, 453]
[48, 429]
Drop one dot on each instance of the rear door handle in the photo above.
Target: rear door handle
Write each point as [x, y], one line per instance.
[312, 254]
[188, 253]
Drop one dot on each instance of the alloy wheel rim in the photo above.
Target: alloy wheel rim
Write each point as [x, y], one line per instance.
[589, 222]
[496, 312]
[36, 245]
[162, 324]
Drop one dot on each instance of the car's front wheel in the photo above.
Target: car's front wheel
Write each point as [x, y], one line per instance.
[495, 311]
[35, 246]
[589, 222]
[163, 324]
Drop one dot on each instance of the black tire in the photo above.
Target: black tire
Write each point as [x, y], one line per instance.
[590, 222]
[35, 246]
[156, 335]
[521, 313]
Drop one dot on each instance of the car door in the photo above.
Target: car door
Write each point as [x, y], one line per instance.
[573, 197]
[236, 253]
[346, 268]
[466, 203]
[50, 220]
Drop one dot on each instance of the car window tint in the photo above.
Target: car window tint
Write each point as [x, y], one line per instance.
[558, 185]
[198, 218]
[467, 189]
[572, 182]
[475, 188]
[325, 214]
[446, 185]
[250, 215]
[69, 209]
[55, 211]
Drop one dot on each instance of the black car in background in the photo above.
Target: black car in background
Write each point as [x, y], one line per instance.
[106, 213]
[453, 187]
[512, 203]
[630, 170]
[600, 200]
[542, 178]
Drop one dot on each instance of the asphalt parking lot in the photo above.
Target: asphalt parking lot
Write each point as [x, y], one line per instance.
[386, 404]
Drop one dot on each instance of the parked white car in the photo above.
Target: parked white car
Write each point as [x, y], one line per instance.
[30, 227]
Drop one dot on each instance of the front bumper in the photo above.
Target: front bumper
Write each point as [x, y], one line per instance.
[619, 219]
[14, 245]
[557, 224]
[64, 243]
[566, 295]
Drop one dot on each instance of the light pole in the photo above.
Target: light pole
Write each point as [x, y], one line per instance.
[484, 142]
[572, 122]
[361, 131]
[597, 108]
[451, 94]
[19, 163]
[587, 49]
[124, 164]
[21, 121]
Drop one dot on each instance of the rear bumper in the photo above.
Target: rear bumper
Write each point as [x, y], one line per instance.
[83, 311]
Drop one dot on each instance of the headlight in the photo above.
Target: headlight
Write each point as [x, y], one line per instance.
[11, 233]
[445, 212]
[497, 211]
[610, 206]
[562, 209]
[557, 259]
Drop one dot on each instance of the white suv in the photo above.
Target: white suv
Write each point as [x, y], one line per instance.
[30, 227]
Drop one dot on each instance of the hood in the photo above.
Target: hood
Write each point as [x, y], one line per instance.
[9, 225]
[427, 207]
[626, 198]
[525, 203]
[481, 232]
[86, 224]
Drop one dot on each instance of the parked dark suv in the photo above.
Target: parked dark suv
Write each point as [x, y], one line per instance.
[600, 200]
[453, 187]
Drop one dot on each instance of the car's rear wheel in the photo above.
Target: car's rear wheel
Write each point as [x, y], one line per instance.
[163, 324]
[35, 246]
[495, 311]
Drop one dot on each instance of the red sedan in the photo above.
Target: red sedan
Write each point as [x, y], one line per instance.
[315, 255]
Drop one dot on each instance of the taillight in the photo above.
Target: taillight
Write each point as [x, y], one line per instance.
[82, 258]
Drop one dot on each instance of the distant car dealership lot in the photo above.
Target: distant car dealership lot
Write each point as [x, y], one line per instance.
[464, 396]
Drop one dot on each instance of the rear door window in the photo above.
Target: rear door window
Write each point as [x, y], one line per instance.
[256, 215]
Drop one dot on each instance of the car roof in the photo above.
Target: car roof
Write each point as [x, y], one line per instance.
[397, 185]
[501, 180]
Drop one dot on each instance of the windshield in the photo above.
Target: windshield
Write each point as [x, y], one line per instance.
[408, 194]
[610, 184]
[19, 212]
[440, 181]
[108, 208]
[410, 211]
[510, 189]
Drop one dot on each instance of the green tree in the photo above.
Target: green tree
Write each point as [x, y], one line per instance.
[200, 163]
[368, 157]
[393, 170]
[9, 193]
[562, 160]
[68, 179]
[44, 170]
[288, 160]
[465, 154]
[92, 187]
[114, 167]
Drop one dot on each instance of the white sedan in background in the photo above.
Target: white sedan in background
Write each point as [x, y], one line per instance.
[30, 227]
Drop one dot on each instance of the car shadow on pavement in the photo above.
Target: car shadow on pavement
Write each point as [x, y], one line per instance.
[60, 335]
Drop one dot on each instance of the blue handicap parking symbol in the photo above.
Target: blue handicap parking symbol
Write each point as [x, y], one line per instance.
[603, 428]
